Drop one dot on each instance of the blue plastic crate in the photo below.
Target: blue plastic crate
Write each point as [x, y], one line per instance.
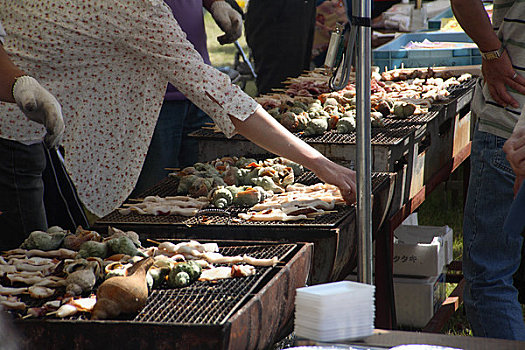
[434, 23]
[392, 54]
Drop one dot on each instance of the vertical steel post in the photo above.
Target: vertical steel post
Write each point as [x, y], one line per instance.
[363, 156]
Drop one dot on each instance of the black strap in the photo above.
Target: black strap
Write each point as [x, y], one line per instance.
[361, 21]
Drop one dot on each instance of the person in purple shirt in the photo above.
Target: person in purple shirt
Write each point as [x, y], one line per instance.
[171, 146]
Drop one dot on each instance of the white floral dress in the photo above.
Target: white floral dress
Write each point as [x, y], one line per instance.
[108, 63]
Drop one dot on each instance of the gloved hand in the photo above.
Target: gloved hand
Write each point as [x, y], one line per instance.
[228, 19]
[40, 106]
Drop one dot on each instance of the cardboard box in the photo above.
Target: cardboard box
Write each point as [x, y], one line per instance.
[418, 299]
[422, 250]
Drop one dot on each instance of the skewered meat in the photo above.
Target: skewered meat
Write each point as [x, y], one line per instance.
[66, 310]
[39, 292]
[154, 205]
[61, 253]
[217, 258]
[224, 272]
[270, 215]
[12, 290]
[260, 262]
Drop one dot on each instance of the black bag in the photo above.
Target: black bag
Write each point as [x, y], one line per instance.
[63, 207]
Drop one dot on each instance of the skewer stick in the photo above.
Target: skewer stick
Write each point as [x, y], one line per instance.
[209, 123]
[172, 169]
[27, 316]
[208, 128]
[52, 313]
[135, 199]
[152, 241]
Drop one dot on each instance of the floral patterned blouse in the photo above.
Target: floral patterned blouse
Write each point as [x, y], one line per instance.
[108, 63]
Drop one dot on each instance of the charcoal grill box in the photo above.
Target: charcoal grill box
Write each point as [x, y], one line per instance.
[444, 130]
[334, 235]
[392, 151]
[422, 250]
[392, 55]
[239, 313]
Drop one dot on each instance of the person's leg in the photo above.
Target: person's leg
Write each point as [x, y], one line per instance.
[163, 151]
[21, 192]
[490, 257]
[189, 148]
[279, 34]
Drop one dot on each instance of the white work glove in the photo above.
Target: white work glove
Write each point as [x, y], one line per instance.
[40, 106]
[228, 19]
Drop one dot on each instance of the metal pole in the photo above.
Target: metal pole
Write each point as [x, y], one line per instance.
[363, 164]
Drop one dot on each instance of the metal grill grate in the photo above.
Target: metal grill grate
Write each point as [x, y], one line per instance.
[380, 136]
[211, 303]
[167, 188]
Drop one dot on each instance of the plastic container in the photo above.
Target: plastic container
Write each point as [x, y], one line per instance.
[392, 55]
[434, 23]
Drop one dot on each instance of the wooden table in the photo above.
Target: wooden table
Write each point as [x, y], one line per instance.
[384, 339]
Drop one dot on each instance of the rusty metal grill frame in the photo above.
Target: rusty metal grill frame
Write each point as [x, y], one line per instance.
[216, 301]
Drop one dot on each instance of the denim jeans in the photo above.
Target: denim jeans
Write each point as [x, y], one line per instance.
[21, 192]
[171, 147]
[490, 255]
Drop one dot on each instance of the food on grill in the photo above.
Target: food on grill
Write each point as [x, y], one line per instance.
[66, 310]
[222, 197]
[346, 125]
[61, 253]
[191, 268]
[11, 303]
[123, 294]
[155, 205]
[223, 272]
[123, 245]
[82, 276]
[260, 262]
[403, 109]
[12, 290]
[297, 203]
[39, 292]
[178, 280]
[73, 241]
[93, 248]
[44, 240]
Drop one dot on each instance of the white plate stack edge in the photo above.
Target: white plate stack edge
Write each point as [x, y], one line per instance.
[335, 311]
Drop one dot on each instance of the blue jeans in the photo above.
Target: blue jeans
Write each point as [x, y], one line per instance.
[21, 192]
[490, 255]
[171, 147]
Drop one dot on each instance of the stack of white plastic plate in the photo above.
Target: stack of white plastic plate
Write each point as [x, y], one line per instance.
[335, 311]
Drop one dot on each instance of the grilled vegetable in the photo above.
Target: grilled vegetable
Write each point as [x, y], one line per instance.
[376, 120]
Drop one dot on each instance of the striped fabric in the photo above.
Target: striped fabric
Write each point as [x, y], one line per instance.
[508, 20]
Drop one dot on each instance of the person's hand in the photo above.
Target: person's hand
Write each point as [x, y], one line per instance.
[498, 74]
[514, 147]
[40, 106]
[343, 178]
[228, 19]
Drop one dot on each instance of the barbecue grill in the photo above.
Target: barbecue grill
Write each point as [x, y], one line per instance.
[239, 313]
[333, 234]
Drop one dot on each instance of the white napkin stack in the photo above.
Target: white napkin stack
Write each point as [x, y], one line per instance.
[335, 311]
